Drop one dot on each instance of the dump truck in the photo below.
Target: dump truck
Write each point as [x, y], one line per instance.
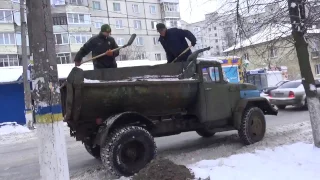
[117, 113]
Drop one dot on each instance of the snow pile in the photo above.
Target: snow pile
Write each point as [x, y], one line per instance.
[12, 127]
[10, 74]
[296, 161]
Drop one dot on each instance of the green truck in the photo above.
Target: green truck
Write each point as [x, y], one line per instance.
[117, 113]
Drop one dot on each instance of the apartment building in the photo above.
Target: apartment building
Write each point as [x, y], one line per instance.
[76, 21]
[216, 31]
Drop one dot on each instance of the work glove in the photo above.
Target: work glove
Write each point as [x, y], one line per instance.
[77, 63]
[109, 53]
[193, 43]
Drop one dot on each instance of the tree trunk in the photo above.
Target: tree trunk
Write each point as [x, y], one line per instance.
[297, 18]
[52, 146]
[25, 63]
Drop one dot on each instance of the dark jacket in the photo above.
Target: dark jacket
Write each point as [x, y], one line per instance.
[97, 45]
[174, 43]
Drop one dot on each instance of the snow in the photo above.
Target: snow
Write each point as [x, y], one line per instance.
[11, 74]
[296, 161]
[312, 87]
[271, 32]
[12, 128]
[141, 78]
[293, 5]
[91, 81]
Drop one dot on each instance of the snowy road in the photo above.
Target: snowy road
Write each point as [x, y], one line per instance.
[20, 160]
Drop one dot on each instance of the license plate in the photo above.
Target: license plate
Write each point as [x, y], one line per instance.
[279, 94]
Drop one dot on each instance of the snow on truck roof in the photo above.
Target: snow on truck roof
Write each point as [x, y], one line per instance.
[13, 73]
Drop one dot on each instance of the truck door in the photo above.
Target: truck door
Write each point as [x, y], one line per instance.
[216, 94]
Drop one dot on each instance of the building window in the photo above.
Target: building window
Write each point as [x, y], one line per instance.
[246, 56]
[154, 25]
[120, 41]
[18, 39]
[96, 5]
[62, 38]
[76, 2]
[79, 38]
[61, 20]
[273, 52]
[135, 8]
[116, 7]
[209, 29]
[215, 34]
[56, 2]
[152, 9]
[140, 56]
[63, 58]
[156, 40]
[217, 40]
[6, 16]
[139, 41]
[74, 18]
[158, 56]
[98, 23]
[9, 60]
[317, 68]
[314, 53]
[119, 24]
[214, 28]
[7, 39]
[137, 24]
[16, 1]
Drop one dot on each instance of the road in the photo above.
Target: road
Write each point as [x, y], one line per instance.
[20, 161]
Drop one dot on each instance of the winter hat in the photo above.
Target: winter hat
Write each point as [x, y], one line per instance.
[160, 26]
[105, 28]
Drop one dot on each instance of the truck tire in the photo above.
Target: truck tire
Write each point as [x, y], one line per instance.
[128, 150]
[93, 151]
[205, 132]
[282, 107]
[253, 126]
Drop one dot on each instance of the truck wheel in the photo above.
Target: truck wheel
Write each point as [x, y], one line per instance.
[253, 126]
[128, 150]
[206, 132]
[282, 107]
[93, 151]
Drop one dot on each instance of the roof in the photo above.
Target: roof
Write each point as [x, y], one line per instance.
[13, 73]
[269, 33]
[272, 32]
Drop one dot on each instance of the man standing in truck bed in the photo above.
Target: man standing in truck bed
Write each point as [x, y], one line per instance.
[174, 42]
[101, 43]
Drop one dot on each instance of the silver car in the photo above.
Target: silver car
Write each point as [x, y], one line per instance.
[289, 94]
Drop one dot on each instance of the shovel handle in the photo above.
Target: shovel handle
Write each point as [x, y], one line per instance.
[181, 54]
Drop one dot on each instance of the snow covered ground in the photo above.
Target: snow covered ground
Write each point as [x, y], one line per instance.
[12, 127]
[228, 157]
[297, 161]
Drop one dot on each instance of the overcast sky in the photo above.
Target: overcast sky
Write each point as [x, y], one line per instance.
[197, 10]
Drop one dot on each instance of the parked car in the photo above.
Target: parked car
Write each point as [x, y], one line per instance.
[269, 89]
[290, 93]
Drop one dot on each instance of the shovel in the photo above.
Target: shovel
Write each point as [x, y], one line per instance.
[181, 54]
[132, 38]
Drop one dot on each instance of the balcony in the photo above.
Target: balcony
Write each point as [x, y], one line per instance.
[172, 14]
[169, 1]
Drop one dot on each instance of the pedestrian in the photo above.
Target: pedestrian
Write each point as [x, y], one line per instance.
[101, 43]
[174, 43]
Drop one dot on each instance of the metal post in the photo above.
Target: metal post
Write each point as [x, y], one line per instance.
[50, 129]
[25, 63]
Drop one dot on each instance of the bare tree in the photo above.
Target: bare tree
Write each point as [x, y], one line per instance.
[133, 52]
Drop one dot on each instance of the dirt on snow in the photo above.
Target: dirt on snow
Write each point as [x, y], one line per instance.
[164, 169]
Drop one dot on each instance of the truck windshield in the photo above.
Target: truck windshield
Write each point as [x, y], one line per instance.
[292, 84]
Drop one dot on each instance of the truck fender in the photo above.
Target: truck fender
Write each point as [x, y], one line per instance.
[124, 118]
[243, 104]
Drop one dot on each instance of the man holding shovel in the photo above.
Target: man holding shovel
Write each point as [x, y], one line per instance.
[100, 44]
[174, 43]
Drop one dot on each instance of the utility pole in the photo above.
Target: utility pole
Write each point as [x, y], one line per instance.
[25, 63]
[52, 145]
[297, 12]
